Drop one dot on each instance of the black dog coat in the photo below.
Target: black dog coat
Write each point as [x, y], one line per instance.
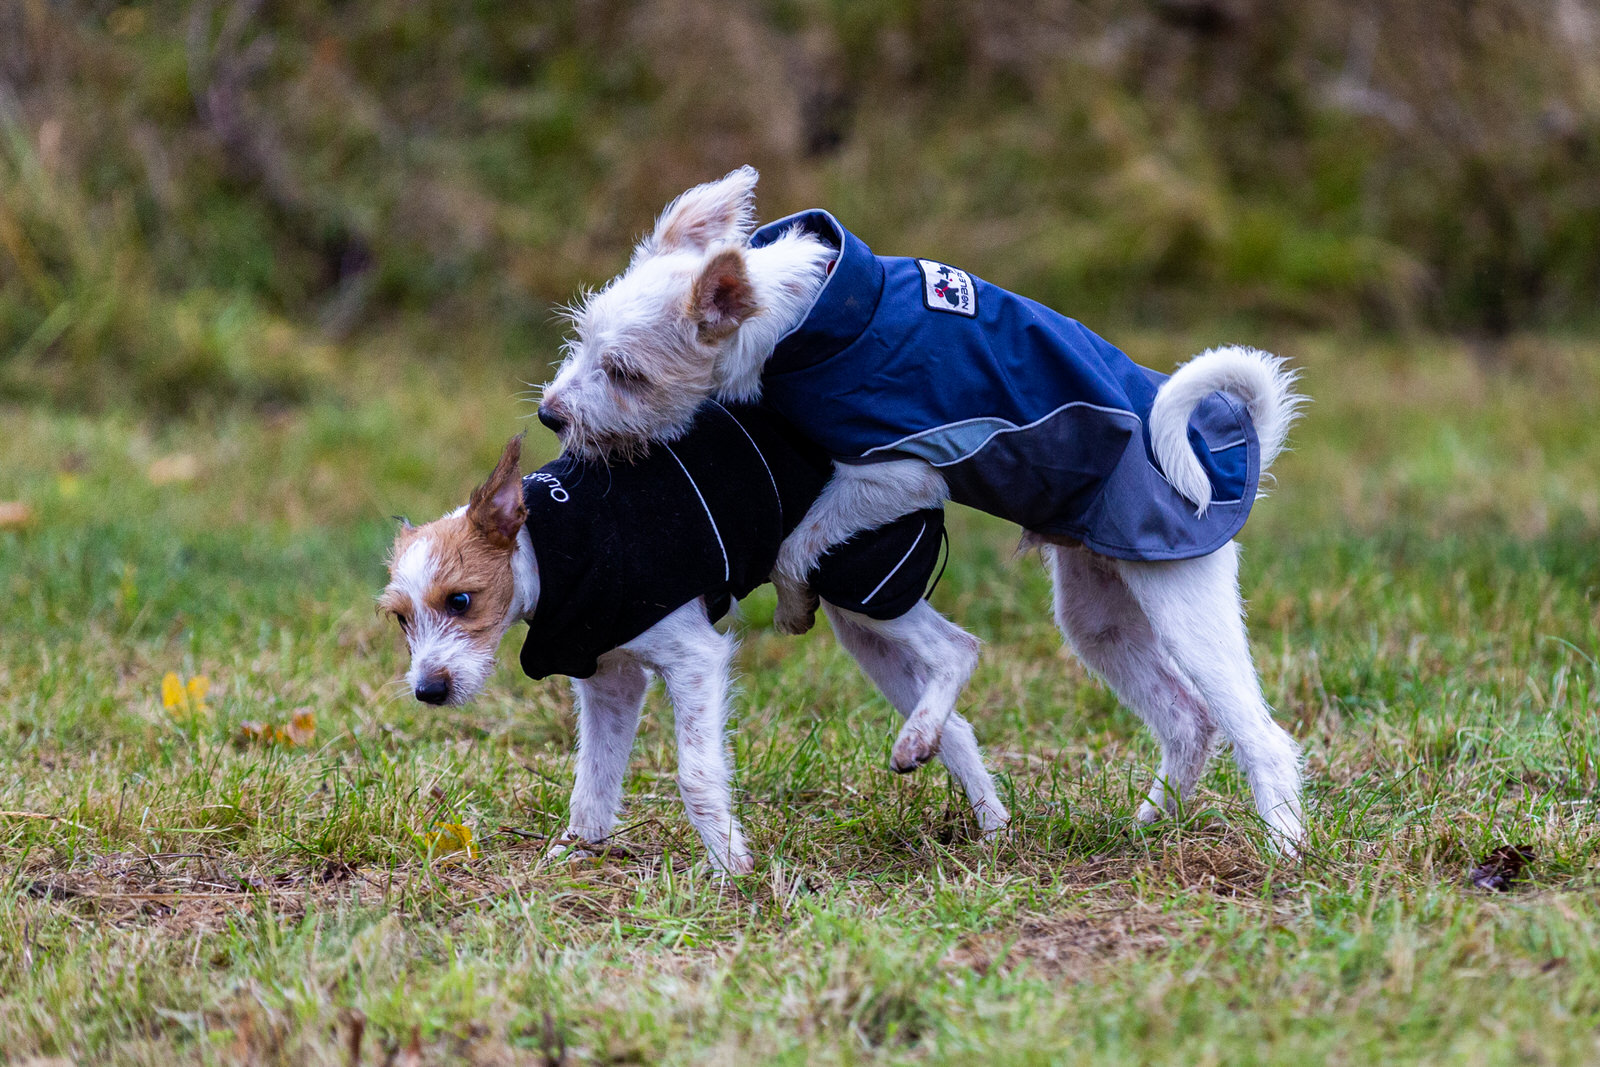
[619, 548]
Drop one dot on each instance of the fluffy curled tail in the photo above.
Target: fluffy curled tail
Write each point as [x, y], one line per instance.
[1258, 378]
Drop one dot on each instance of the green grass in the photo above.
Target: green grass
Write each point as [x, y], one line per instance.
[1422, 586]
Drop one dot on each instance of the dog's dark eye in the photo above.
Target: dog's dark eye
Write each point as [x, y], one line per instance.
[405, 623]
[458, 603]
[622, 374]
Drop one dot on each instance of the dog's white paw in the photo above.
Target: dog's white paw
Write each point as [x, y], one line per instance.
[1288, 849]
[1287, 837]
[736, 866]
[913, 748]
[1149, 813]
[572, 846]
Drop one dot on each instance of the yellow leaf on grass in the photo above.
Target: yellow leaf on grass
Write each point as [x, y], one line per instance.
[450, 839]
[184, 699]
[172, 695]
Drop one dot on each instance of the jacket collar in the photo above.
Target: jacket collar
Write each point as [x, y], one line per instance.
[845, 306]
[565, 535]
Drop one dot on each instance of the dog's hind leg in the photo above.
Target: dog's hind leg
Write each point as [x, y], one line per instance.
[693, 660]
[608, 717]
[942, 656]
[1195, 607]
[1105, 624]
[920, 662]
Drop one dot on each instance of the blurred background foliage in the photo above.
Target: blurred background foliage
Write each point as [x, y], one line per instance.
[228, 199]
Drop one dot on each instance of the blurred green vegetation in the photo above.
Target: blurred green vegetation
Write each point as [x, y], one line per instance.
[218, 199]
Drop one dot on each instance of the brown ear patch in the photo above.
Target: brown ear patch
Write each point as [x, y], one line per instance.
[721, 298]
[496, 507]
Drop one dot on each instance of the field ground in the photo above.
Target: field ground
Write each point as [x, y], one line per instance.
[1423, 607]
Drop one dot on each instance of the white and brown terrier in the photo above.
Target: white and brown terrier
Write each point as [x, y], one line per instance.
[926, 384]
[620, 573]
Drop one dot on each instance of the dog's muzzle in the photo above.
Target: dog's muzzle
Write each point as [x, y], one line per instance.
[434, 690]
[554, 422]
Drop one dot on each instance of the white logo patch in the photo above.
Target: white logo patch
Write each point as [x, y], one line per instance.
[557, 492]
[944, 288]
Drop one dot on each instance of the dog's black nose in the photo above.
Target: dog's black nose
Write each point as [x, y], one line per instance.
[435, 690]
[555, 422]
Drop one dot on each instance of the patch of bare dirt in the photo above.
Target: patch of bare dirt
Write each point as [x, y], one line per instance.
[1071, 946]
[182, 893]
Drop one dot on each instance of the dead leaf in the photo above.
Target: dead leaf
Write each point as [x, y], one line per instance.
[1501, 867]
[302, 727]
[14, 514]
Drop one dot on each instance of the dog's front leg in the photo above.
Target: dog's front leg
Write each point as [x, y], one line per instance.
[608, 717]
[693, 660]
[859, 496]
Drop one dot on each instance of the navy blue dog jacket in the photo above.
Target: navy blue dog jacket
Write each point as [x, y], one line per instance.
[1025, 412]
[621, 547]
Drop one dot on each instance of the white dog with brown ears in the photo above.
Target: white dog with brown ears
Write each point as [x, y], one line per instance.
[925, 384]
[619, 574]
